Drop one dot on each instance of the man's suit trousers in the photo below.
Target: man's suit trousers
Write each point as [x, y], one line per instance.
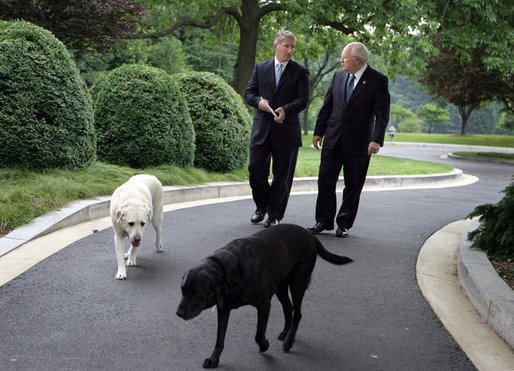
[272, 198]
[355, 168]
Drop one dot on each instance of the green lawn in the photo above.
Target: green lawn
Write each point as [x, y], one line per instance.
[497, 156]
[475, 140]
[26, 194]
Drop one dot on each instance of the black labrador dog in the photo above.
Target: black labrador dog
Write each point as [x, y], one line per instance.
[248, 271]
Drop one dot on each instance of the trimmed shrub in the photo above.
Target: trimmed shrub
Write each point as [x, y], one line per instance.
[46, 119]
[222, 123]
[142, 119]
[97, 85]
[495, 235]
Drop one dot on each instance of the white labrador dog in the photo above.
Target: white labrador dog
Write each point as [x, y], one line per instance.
[133, 205]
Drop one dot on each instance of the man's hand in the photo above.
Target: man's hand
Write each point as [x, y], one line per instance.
[262, 104]
[373, 148]
[281, 115]
[316, 141]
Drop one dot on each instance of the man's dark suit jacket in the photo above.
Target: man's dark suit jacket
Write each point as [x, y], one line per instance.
[360, 121]
[292, 94]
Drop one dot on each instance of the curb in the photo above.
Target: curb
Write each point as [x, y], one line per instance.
[457, 157]
[489, 294]
[85, 210]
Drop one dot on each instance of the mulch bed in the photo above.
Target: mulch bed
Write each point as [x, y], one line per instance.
[505, 271]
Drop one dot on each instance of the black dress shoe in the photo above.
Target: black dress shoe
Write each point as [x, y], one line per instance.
[258, 216]
[342, 232]
[320, 227]
[271, 222]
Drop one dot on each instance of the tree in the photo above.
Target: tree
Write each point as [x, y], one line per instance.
[80, 24]
[466, 26]
[398, 114]
[433, 115]
[467, 86]
[247, 14]
[477, 32]
[384, 25]
[321, 49]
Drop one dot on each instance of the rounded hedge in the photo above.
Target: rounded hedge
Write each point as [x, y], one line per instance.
[142, 119]
[221, 121]
[46, 118]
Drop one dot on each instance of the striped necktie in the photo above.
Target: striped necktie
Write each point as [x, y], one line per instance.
[278, 73]
[349, 87]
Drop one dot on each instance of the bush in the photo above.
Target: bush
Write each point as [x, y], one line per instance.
[222, 123]
[495, 235]
[142, 119]
[46, 119]
[96, 86]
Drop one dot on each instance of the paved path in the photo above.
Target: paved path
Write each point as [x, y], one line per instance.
[70, 313]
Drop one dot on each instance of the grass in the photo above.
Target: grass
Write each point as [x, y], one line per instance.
[497, 156]
[27, 194]
[475, 140]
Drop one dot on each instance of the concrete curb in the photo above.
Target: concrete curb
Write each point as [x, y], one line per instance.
[85, 210]
[457, 157]
[488, 293]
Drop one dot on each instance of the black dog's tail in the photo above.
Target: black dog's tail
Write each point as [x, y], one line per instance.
[329, 257]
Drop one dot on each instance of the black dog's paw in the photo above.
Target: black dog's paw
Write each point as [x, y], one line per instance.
[287, 345]
[263, 345]
[282, 335]
[211, 363]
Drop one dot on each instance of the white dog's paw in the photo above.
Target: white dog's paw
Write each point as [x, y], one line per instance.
[131, 263]
[121, 275]
[158, 246]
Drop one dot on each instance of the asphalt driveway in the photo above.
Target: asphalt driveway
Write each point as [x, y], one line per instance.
[69, 312]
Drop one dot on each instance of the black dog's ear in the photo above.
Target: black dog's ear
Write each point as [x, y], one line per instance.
[228, 263]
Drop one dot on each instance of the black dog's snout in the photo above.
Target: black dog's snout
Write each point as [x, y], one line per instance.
[181, 312]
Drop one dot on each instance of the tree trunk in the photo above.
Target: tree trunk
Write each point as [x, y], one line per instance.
[306, 120]
[248, 29]
[465, 112]
[306, 110]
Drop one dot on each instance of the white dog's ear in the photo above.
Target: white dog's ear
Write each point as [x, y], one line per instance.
[119, 215]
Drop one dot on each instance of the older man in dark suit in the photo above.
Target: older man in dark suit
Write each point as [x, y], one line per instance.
[279, 90]
[351, 125]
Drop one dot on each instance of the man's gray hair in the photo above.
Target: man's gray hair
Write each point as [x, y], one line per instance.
[284, 34]
[359, 50]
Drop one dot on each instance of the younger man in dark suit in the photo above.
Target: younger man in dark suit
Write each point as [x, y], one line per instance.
[351, 124]
[279, 90]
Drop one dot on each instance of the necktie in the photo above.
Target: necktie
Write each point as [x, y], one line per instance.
[278, 73]
[349, 87]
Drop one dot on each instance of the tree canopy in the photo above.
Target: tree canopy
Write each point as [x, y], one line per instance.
[80, 24]
[467, 86]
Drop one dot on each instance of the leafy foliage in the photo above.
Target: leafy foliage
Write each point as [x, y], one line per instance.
[221, 121]
[80, 24]
[495, 235]
[466, 86]
[486, 25]
[433, 115]
[142, 119]
[46, 119]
